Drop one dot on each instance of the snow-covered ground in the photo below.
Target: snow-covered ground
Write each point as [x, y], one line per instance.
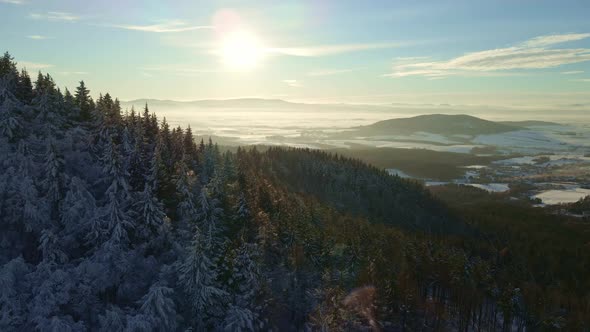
[524, 141]
[491, 187]
[419, 136]
[558, 196]
[400, 173]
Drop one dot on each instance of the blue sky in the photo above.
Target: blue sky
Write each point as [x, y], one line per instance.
[523, 53]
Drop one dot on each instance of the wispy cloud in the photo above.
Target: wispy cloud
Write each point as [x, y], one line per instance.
[329, 72]
[555, 39]
[14, 2]
[55, 16]
[572, 72]
[293, 83]
[38, 37]
[71, 73]
[163, 27]
[33, 65]
[187, 70]
[532, 54]
[324, 50]
[587, 80]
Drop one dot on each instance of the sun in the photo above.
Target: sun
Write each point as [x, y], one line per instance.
[241, 50]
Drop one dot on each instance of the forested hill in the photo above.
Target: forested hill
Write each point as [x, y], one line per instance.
[113, 221]
[352, 186]
[443, 124]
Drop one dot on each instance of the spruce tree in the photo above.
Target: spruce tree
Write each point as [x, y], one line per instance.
[84, 102]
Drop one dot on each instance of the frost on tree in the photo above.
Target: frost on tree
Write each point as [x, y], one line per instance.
[150, 213]
[197, 276]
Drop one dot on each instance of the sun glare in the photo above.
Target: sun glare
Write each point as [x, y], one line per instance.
[241, 50]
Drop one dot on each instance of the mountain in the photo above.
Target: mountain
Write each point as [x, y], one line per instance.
[443, 124]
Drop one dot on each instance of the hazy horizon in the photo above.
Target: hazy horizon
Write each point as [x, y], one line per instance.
[532, 55]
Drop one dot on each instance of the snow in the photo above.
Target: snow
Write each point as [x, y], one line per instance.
[554, 160]
[420, 136]
[526, 160]
[400, 173]
[475, 166]
[523, 140]
[491, 187]
[559, 196]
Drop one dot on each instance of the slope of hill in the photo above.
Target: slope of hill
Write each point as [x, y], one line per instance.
[529, 123]
[442, 124]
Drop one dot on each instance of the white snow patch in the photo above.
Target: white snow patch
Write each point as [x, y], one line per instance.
[491, 187]
[400, 173]
[558, 196]
[522, 140]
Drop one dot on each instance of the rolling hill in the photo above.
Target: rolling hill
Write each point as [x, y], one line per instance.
[442, 124]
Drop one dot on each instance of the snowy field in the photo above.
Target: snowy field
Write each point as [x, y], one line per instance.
[491, 187]
[559, 196]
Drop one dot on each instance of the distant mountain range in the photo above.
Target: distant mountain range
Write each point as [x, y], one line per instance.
[238, 103]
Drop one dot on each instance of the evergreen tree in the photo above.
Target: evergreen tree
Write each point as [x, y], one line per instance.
[150, 213]
[53, 166]
[243, 312]
[8, 66]
[197, 275]
[24, 90]
[84, 102]
[157, 311]
[10, 114]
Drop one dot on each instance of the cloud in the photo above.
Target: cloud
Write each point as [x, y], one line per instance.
[532, 54]
[163, 27]
[55, 16]
[329, 72]
[185, 70]
[14, 2]
[38, 37]
[582, 80]
[293, 83]
[324, 50]
[555, 39]
[33, 65]
[572, 72]
[70, 73]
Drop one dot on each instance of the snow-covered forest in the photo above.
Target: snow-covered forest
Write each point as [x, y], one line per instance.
[110, 220]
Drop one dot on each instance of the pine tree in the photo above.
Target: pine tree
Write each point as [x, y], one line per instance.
[14, 292]
[114, 170]
[209, 220]
[189, 143]
[10, 114]
[150, 213]
[158, 309]
[197, 276]
[113, 319]
[7, 65]
[53, 166]
[84, 102]
[51, 247]
[77, 209]
[242, 314]
[24, 90]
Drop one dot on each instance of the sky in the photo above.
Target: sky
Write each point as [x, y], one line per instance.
[512, 53]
